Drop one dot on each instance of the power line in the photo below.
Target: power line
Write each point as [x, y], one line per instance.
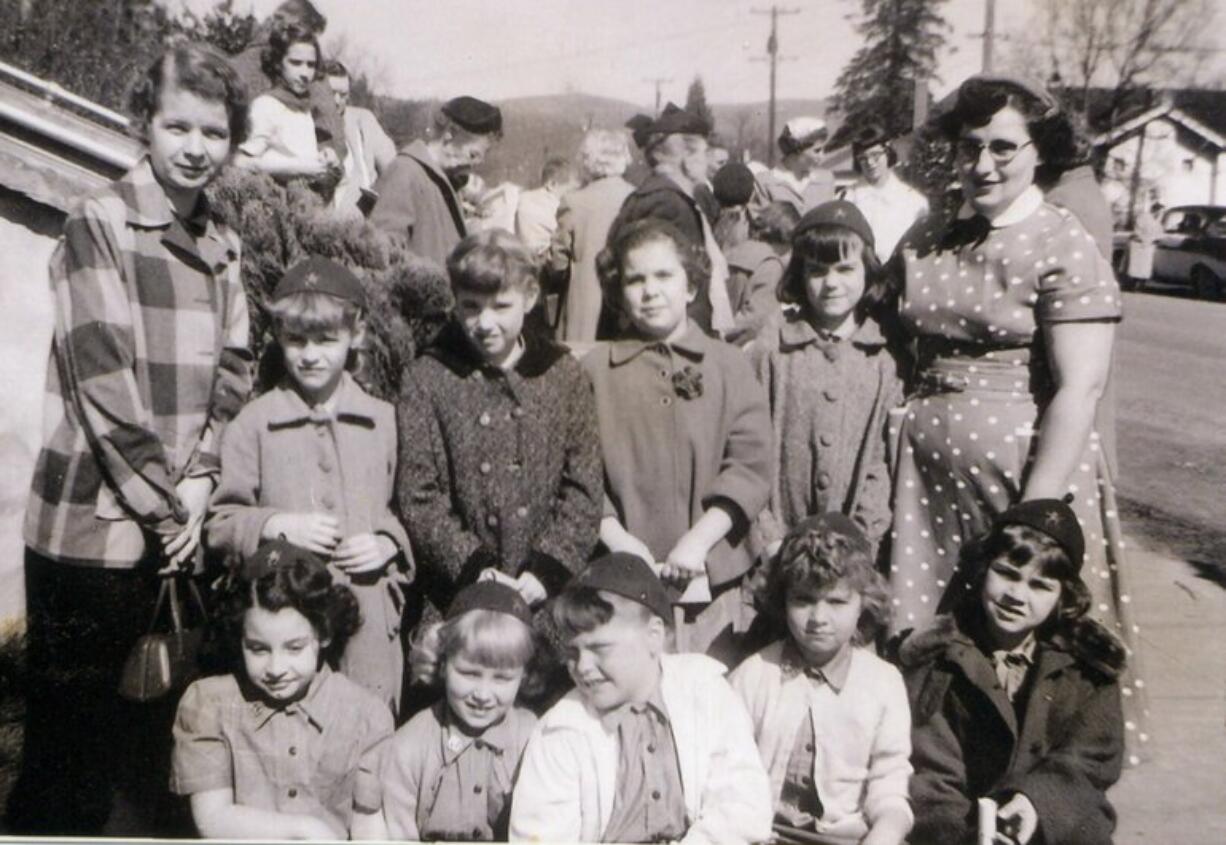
[772, 55]
[658, 81]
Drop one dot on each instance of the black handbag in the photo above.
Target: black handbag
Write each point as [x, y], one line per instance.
[160, 663]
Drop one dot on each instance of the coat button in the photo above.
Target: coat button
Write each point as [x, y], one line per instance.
[293, 793]
[666, 400]
[477, 789]
[518, 413]
[826, 440]
[293, 751]
[823, 480]
[651, 749]
[485, 468]
[484, 419]
[809, 747]
[655, 795]
[492, 520]
[325, 466]
[521, 512]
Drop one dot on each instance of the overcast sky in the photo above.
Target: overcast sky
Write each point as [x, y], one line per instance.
[508, 48]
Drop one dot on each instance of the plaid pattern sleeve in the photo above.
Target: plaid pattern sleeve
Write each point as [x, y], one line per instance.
[148, 360]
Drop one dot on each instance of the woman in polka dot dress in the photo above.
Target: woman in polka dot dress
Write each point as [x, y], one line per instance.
[1013, 314]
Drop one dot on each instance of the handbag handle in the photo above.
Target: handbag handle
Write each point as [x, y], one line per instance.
[170, 591]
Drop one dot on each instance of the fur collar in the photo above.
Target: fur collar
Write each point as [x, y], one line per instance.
[1087, 642]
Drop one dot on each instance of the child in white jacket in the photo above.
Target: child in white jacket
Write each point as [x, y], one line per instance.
[648, 746]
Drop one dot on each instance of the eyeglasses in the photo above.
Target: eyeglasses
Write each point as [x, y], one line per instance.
[1001, 151]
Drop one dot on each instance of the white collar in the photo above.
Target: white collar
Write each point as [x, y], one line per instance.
[1026, 204]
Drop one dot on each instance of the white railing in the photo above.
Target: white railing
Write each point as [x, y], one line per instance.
[55, 93]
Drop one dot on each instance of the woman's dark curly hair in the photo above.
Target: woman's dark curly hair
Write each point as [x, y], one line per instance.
[610, 263]
[826, 245]
[1049, 126]
[815, 556]
[199, 70]
[301, 582]
[280, 39]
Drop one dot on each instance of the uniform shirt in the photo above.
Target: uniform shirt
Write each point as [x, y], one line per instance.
[440, 783]
[890, 208]
[319, 756]
[649, 805]
[683, 426]
[149, 361]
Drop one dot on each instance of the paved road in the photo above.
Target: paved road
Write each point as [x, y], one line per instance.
[1171, 403]
[1171, 383]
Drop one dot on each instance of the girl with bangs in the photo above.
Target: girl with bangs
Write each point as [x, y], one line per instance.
[313, 461]
[449, 772]
[1016, 693]
[831, 377]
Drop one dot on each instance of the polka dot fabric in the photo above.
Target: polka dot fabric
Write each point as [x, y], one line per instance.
[964, 439]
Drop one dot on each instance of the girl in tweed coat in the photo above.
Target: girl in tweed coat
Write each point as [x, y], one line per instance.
[499, 451]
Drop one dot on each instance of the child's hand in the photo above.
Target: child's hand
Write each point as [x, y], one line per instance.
[1016, 821]
[364, 553]
[194, 494]
[315, 532]
[687, 560]
[491, 574]
[531, 588]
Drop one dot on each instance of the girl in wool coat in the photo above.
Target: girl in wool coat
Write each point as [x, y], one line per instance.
[1015, 696]
[831, 378]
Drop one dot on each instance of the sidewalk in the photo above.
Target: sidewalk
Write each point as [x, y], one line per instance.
[1179, 795]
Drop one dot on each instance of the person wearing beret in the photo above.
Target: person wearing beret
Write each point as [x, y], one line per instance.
[650, 746]
[800, 179]
[1012, 312]
[890, 204]
[676, 148]
[1016, 693]
[754, 266]
[313, 461]
[417, 194]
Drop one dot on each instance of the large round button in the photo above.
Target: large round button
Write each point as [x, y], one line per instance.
[492, 520]
[484, 419]
[485, 468]
[826, 439]
[477, 789]
[521, 512]
[655, 795]
[823, 480]
[293, 793]
[293, 751]
[517, 413]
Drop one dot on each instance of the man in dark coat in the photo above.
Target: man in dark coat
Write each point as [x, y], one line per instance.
[417, 193]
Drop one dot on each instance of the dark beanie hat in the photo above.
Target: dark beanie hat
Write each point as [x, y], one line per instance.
[628, 576]
[836, 213]
[733, 184]
[321, 275]
[473, 115]
[639, 126]
[1054, 518]
[275, 554]
[868, 137]
[678, 121]
[490, 595]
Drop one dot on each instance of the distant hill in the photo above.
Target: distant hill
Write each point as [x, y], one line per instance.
[535, 128]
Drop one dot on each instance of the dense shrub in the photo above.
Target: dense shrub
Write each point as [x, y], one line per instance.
[280, 225]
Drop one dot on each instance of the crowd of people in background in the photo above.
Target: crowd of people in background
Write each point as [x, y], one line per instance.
[731, 504]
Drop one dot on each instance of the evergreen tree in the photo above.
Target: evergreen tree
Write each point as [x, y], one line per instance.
[696, 102]
[901, 40]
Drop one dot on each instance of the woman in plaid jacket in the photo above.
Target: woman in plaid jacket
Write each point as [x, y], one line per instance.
[149, 360]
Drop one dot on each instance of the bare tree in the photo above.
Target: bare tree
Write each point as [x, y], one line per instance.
[1124, 45]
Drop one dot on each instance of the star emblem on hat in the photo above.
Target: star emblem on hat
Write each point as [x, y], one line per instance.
[1053, 520]
[840, 213]
[274, 557]
[311, 279]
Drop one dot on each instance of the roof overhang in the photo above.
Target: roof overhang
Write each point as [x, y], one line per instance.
[1170, 112]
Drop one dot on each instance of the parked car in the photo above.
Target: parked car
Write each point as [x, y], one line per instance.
[1190, 252]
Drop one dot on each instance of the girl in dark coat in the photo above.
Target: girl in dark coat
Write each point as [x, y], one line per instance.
[1015, 695]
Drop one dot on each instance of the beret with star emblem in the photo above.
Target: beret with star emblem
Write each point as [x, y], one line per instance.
[836, 213]
[1054, 518]
[321, 275]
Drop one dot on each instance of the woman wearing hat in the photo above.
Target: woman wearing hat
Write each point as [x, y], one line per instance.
[890, 204]
[417, 193]
[800, 179]
[1012, 311]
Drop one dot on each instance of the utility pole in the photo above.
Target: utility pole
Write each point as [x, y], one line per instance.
[658, 81]
[772, 55]
[989, 34]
